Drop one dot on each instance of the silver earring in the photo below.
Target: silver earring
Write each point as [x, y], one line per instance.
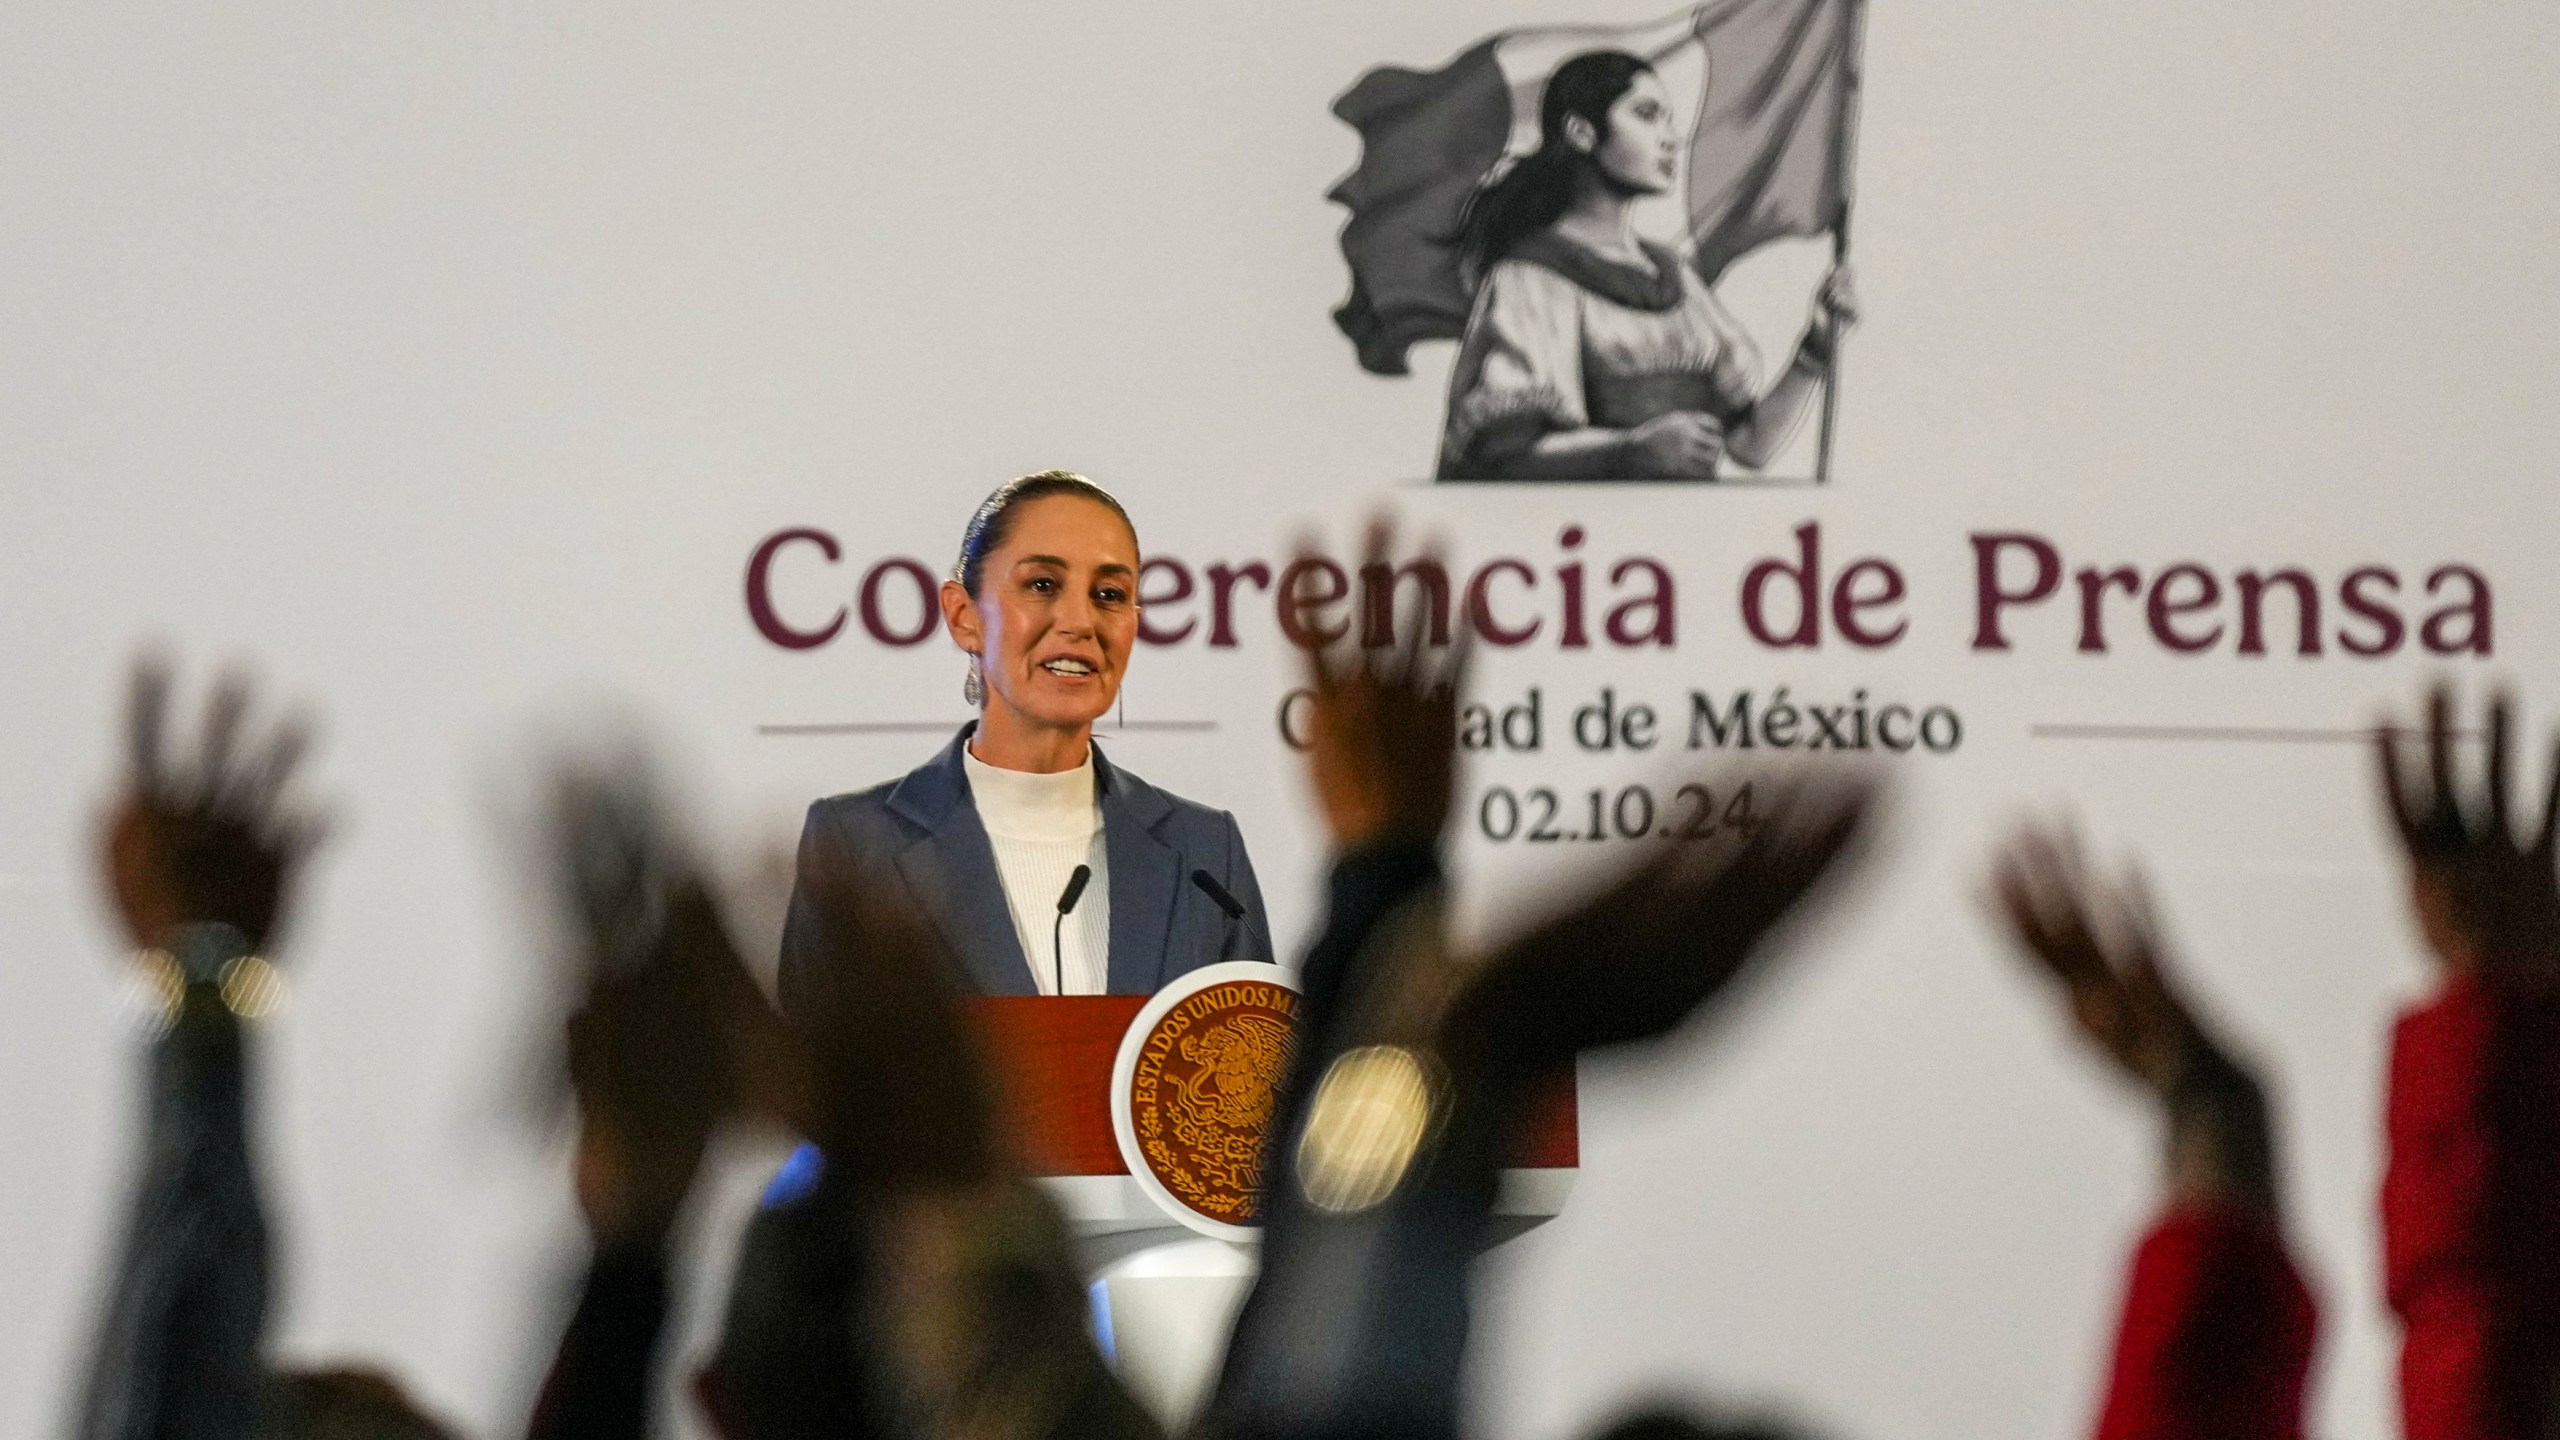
[972, 689]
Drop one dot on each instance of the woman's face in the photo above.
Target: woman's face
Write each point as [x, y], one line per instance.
[1641, 149]
[1055, 613]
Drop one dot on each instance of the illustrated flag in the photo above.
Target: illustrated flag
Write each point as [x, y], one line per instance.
[1768, 156]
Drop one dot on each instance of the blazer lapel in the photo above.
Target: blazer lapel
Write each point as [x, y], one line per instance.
[952, 872]
[1146, 878]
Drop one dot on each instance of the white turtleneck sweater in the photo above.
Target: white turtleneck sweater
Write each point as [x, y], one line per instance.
[1042, 828]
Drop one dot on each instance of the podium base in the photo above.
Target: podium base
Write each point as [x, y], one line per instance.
[1163, 1311]
[1164, 1299]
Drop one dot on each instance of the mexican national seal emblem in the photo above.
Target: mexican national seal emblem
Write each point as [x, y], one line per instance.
[1192, 1094]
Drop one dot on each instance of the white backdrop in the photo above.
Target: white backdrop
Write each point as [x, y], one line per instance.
[448, 365]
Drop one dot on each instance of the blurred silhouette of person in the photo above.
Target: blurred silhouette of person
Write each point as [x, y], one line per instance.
[901, 1279]
[669, 1040]
[2471, 1192]
[2218, 1328]
[902, 1276]
[1414, 1064]
[202, 858]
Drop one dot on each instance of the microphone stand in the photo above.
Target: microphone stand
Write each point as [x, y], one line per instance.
[1220, 896]
[1067, 899]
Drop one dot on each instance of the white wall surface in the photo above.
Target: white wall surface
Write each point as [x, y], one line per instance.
[447, 363]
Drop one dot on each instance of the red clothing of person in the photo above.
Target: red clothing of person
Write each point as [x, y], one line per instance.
[2217, 1333]
[2471, 1214]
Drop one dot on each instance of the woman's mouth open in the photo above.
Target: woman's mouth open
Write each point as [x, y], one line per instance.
[1067, 667]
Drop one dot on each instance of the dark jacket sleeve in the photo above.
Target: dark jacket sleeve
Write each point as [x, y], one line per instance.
[1367, 885]
[1357, 1323]
[820, 845]
[2215, 1343]
[2471, 1213]
[604, 1377]
[178, 1350]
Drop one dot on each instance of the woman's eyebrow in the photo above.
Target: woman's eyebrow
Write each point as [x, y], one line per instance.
[1109, 568]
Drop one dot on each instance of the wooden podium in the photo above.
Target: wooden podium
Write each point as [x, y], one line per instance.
[1163, 1298]
[1052, 1059]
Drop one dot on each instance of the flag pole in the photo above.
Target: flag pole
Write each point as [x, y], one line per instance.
[1852, 81]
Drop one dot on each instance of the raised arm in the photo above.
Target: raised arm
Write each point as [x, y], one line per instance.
[900, 1266]
[1413, 1063]
[201, 857]
[2216, 1336]
[1382, 762]
[2471, 1193]
[669, 1039]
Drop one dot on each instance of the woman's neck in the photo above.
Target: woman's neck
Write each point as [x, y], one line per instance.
[1602, 219]
[1008, 741]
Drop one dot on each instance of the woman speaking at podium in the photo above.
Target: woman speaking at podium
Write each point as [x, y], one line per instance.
[1047, 869]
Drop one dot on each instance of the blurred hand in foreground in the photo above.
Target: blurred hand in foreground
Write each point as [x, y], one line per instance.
[2487, 901]
[2101, 945]
[669, 1036]
[1382, 731]
[903, 1100]
[1665, 937]
[213, 838]
[919, 1268]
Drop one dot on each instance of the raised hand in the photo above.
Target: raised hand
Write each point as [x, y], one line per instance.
[965, 1302]
[2487, 900]
[670, 1036]
[1647, 951]
[2100, 944]
[211, 838]
[1382, 733]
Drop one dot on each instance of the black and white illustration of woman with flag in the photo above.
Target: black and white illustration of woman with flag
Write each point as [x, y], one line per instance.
[1500, 201]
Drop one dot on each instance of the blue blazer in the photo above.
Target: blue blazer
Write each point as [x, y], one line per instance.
[924, 830]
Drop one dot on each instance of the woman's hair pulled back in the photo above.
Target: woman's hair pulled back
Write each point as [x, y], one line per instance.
[993, 522]
[1533, 194]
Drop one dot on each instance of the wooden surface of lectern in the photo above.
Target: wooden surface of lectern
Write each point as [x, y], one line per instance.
[1075, 1077]
[1052, 1058]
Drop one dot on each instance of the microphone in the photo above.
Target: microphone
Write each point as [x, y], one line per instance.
[1067, 899]
[1210, 887]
